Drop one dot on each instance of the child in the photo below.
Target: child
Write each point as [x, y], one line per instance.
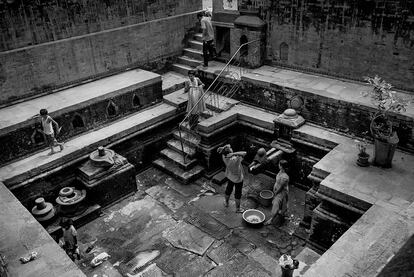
[70, 238]
[234, 174]
[47, 127]
[195, 104]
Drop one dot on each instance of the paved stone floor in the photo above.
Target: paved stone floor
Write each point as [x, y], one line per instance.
[167, 229]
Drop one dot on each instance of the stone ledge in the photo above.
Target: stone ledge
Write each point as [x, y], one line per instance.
[64, 101]
[366, 246]
[334, 89]
[78, 147]
[22, 235]
[240, 113]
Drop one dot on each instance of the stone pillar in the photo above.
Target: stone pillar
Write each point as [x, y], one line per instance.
[249, 27]
[286, 122]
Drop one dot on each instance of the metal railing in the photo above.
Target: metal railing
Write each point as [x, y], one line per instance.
[207, 93]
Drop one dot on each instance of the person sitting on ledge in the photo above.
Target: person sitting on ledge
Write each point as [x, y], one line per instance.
[259, 162]
[234, 174]
[281, 192]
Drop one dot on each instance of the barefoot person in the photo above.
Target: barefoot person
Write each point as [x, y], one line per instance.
[194, 88]
[234, 174]
[47, 129]
[281, 191]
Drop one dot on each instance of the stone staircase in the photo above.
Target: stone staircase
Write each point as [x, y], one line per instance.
[182, 165]
[192, 56]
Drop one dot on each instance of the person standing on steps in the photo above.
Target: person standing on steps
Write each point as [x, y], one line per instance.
[281, 192]
[208, 37]
[195, 104]
[234, 174]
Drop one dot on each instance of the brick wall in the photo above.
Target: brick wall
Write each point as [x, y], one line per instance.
[29, 71]
[26, 22]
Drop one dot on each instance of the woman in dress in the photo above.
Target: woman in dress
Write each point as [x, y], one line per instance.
[281, 192]
[194, 88]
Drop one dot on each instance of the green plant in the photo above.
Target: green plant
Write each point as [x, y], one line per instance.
[386, 101]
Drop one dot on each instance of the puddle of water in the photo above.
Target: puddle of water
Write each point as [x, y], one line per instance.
[142, 259]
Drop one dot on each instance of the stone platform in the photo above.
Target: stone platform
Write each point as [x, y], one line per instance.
[23, 235]
[106, 185]
[79, 147]
[333, 103]
[357, 186]
[181, 230]
[384, 198]
[77, 109]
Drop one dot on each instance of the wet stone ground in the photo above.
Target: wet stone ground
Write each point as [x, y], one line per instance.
[170, 229]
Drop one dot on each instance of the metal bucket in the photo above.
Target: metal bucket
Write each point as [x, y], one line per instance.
[266, 197]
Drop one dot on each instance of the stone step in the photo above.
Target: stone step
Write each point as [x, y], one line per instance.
[175, 145]
[193, 53]
[189, 61]
[172, 81]
[176, 99]
[177, 158]
[195, 44]
[181, 68]
[208, 113]
[187, 137]
[198, 37]
[184, 176]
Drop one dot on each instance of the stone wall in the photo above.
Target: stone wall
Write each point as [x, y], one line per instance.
[27, 22]
[343, 38]
[328, 112]
[38, 69]
[34, 70]
[346, 38]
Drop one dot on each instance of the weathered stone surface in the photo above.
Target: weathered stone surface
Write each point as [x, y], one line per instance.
[77, 109]
[166, 196]
[215, 204]
[178, 262]
[188, 237]
[203, 221]
[366, 246]
[184, 190]
[77, 147]
[23, 235]
[271, 264]
[221, 252]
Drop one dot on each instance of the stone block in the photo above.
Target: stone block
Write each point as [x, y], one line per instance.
[105, 186]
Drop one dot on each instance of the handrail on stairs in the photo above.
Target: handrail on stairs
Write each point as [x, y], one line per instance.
[207, 91]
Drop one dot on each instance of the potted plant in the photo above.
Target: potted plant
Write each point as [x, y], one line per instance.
[363, 156]
[386, 101]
